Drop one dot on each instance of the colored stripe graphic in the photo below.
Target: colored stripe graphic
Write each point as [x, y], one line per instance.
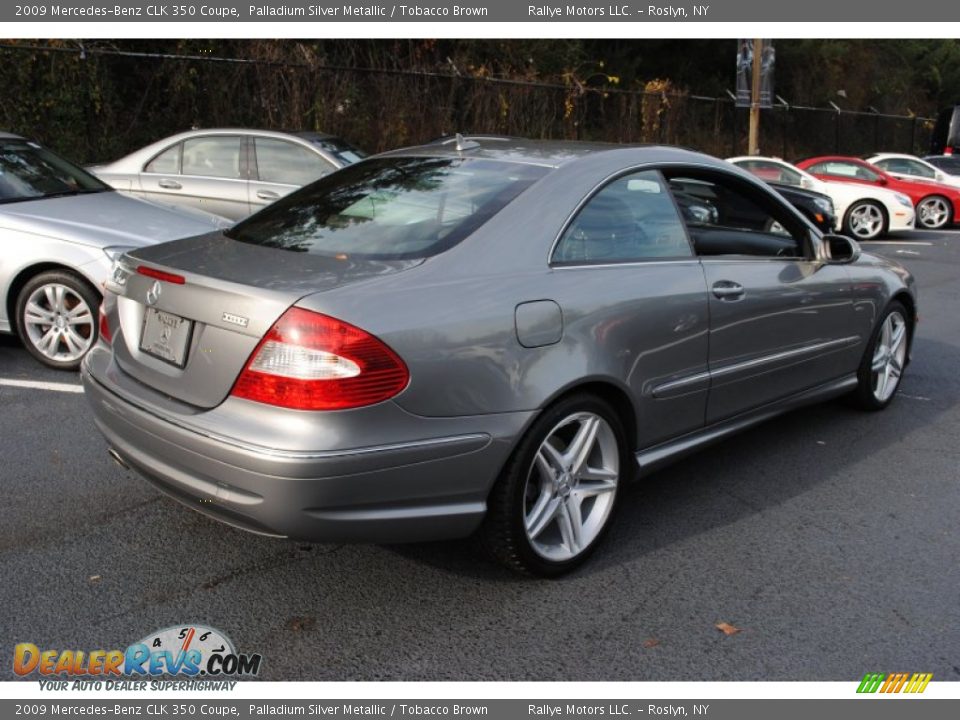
[870, 683]
[894, 683]
[918, 683]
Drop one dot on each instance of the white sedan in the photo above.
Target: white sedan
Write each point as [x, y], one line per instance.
[862, 211]
[910, 167]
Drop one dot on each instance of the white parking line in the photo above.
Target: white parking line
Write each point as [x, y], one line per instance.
[37, 385]
[895, 242]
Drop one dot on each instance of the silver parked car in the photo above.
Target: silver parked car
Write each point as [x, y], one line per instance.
[231, 171]
[482, 336]
[60, 229]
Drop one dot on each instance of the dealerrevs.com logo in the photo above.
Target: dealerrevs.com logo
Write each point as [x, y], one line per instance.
[186, 652]
[894, 683]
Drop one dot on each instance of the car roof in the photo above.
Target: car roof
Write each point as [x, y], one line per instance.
[890, 155]
[549, 153]
[10, 136]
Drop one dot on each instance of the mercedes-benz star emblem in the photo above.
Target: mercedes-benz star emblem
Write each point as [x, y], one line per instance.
[153, 294]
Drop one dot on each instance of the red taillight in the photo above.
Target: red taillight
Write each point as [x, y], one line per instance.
[309, 361]
[160, 275]
[105, 327]
[948, 151]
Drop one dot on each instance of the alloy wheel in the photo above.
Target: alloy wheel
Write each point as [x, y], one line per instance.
[933, 212]
[889, 356]
[571, 487]
[58, 322]
[866, 221]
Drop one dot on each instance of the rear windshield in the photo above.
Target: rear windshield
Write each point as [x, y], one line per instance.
[390, 208]
[31, 172]
[346, 153]
[947, 163]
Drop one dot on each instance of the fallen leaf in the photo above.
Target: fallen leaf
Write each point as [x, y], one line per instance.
[94, 579]
[301, 624]
[652, 642]
[727, 628]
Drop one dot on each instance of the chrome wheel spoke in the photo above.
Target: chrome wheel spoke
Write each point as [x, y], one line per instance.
[543, 513]
[80, 315]
[582, 444]
[550, 460]
[48, 341]
[897, 337]
[570, 521]
[36, 315]
[591, 489]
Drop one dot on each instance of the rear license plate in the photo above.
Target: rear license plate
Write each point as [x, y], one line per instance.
[166, 336]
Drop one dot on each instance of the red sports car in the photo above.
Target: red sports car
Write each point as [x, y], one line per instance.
[937, 205]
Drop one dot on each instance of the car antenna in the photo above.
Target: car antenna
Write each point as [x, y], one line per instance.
[463, 144]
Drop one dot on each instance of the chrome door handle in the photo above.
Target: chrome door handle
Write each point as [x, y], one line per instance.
[727, 290]
[267, 195]
[169, 184]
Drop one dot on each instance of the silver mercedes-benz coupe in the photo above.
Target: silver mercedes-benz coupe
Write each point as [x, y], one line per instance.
[483, 336]
[60, 229]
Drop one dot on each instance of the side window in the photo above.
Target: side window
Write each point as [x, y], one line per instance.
[772, 172]
[919, 169]
[284, 162]
[167, 162]
[212, 156]
[742, 220]
[632, 218]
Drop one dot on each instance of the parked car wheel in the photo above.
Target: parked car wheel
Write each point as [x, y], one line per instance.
[865, 220]
[555, 498]
[56, 318]
[884, 360]
[934, 212]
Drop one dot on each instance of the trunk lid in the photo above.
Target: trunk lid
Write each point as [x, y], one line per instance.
[190, 340]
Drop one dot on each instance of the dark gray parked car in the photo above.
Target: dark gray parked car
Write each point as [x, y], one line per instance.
[482, 336]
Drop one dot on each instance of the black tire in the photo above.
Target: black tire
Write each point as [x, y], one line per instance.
[864, 396]
[854, 230]
[944, 216]
[503, 534]
[81, 291]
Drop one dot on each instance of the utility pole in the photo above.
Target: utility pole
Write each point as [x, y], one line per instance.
[754, 138]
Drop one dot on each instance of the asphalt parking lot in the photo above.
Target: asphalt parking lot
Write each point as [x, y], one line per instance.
[828, 537]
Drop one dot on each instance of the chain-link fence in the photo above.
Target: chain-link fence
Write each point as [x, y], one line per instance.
[98, 105]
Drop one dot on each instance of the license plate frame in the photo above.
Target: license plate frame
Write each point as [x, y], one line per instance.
[166, 336]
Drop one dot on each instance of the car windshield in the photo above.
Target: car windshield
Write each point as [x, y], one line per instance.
[389, 208]
[340, 149]
[30, 172]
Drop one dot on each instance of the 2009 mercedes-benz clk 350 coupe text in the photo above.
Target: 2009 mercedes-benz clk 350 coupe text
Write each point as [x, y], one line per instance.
[486, 336]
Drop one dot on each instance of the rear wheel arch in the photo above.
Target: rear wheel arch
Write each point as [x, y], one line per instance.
[606, 390]
[906, 299]
[27, 274]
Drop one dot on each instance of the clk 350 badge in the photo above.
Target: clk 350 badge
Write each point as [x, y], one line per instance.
[235, 319]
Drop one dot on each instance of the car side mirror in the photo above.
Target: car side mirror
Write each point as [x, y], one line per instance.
[841, 250]
[941, 177]
[883, 181]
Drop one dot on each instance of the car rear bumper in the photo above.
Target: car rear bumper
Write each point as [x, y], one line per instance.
[430, 488]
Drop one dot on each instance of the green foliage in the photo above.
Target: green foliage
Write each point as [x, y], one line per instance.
[99, 104]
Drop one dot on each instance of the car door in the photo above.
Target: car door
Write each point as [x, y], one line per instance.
[279, 167]
[906, 169]
[206, 172]
[781, 319]
[634, 301]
